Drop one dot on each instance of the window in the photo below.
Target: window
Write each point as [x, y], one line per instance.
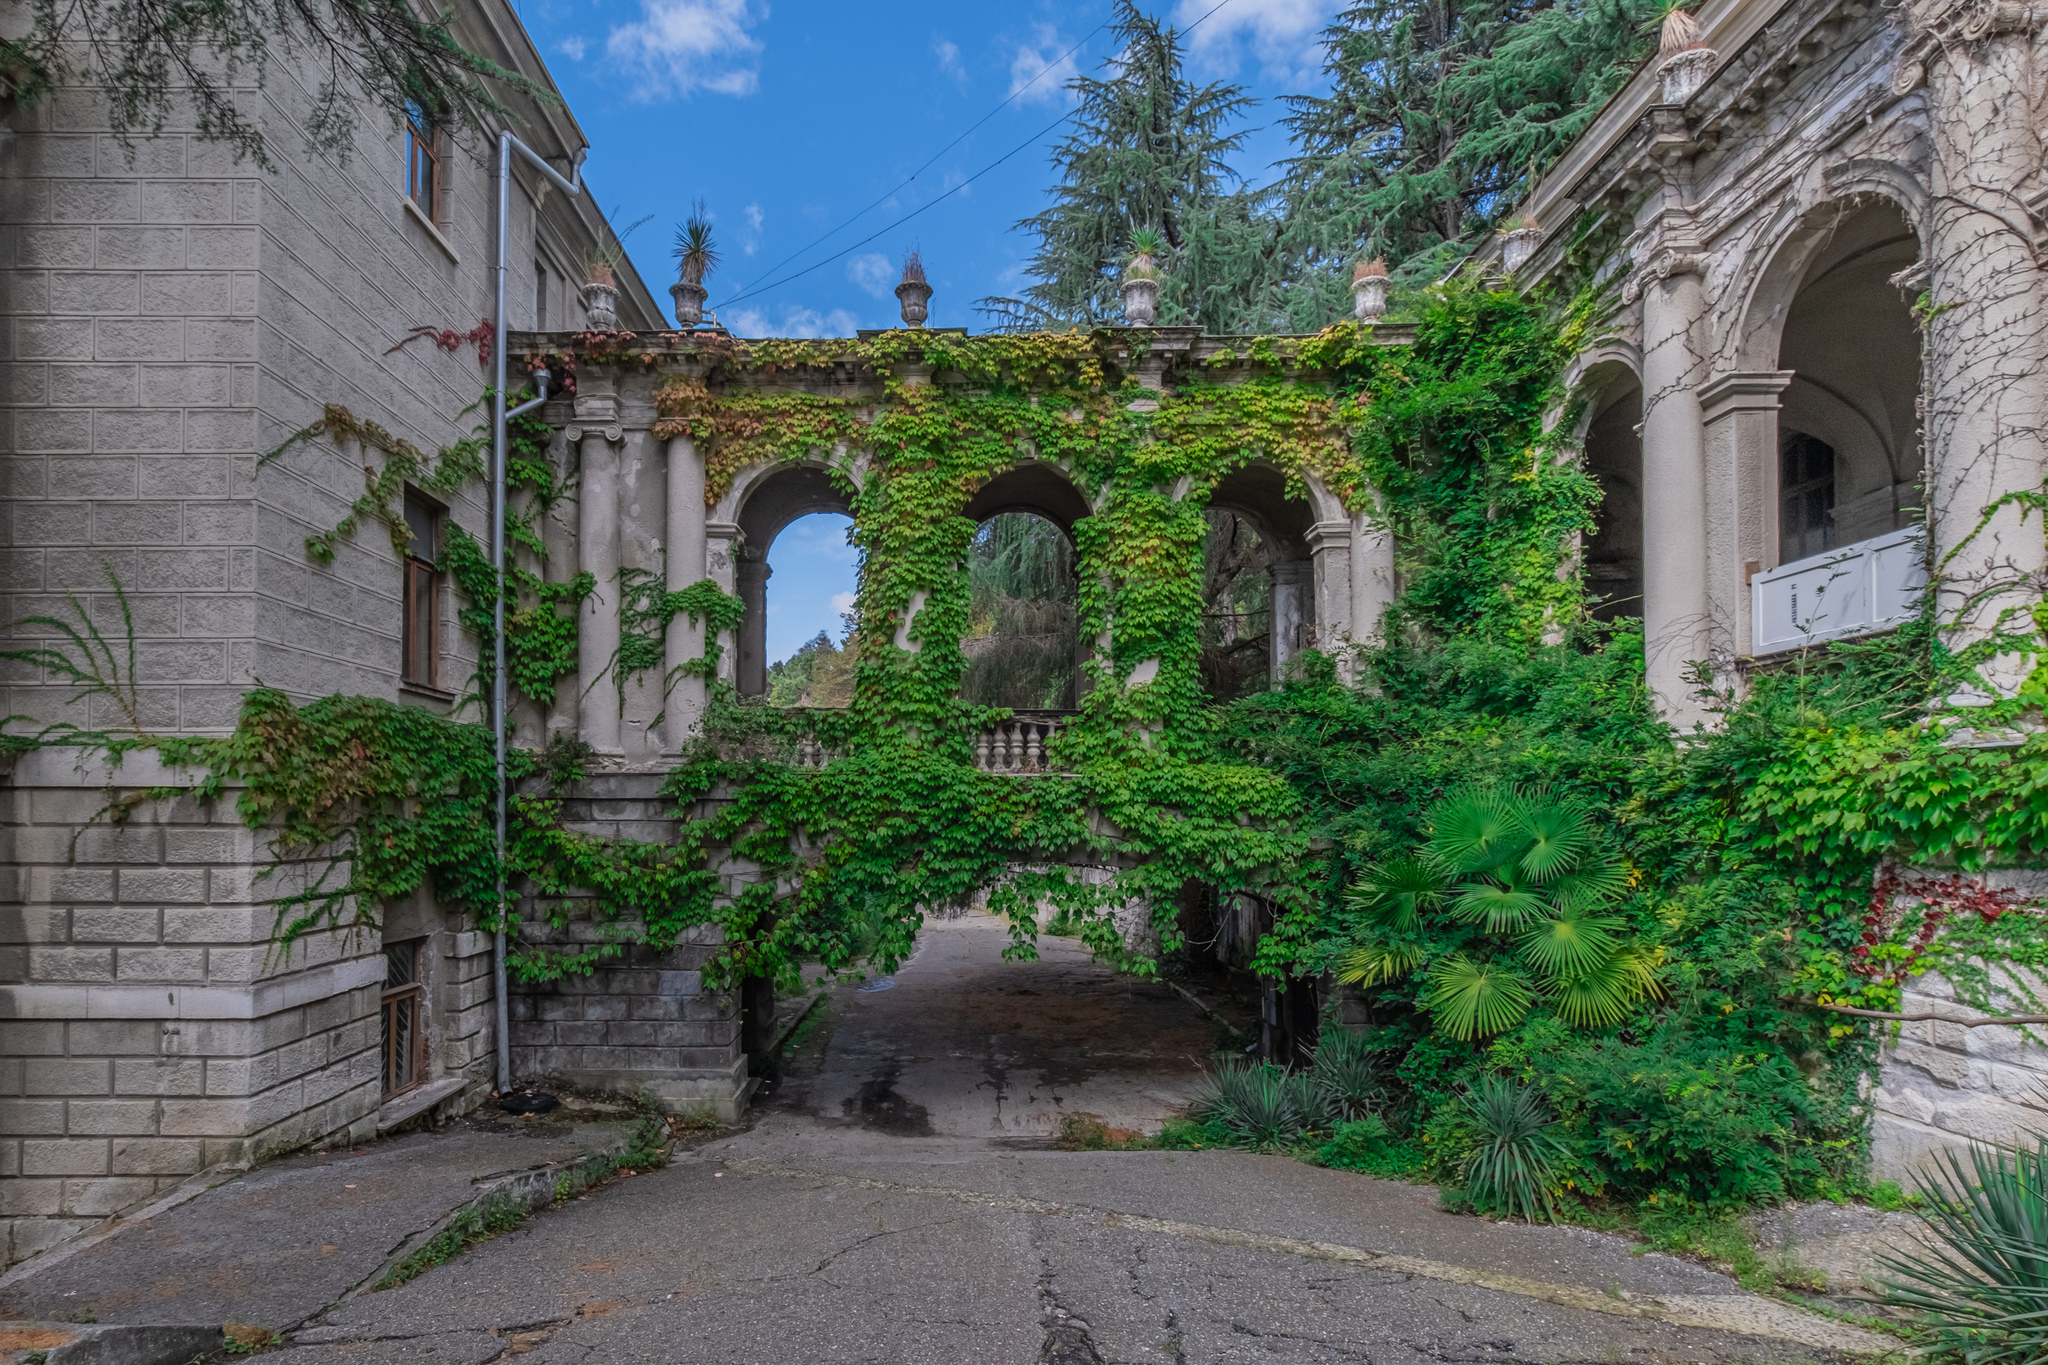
[405, 1005]
[422, 161]
[1806, 497]
[422, 608]
[540, 297]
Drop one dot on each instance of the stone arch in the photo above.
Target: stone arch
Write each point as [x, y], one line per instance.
[763, 500]
[1258, 492]
[1038, 487]
[1826, 322]
[1609, 432]
[1042, 489]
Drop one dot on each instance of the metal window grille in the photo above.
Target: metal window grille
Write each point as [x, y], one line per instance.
[405, 1006]
[422, 160]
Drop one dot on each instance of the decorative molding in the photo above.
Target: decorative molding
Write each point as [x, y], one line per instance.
[611, 431]
[1742, 391]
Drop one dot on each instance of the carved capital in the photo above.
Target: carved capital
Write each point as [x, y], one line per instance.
[611, 431]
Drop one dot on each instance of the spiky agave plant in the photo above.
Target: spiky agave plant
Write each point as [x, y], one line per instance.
[1259, 1103]
[695, 252]
[1349, 1073]
[1511, 1166]
[1147, 245]
[1983, 1290]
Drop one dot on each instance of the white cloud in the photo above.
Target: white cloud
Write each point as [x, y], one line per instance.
[948, 54]
[572, 48]
[1039, 74]
[1281, 35]
[681, 46]
[873, 273]
[797, 321]
[750, 241]
[842, 603]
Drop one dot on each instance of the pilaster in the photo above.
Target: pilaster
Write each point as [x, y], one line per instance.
[1740, 412]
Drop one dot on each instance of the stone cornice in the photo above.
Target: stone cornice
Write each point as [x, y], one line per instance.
[1743, 391]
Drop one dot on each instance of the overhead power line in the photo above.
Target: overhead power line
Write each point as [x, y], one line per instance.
[751, 291]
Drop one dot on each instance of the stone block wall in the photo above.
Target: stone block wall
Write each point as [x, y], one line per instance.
[642, 1023]
[149, 1029]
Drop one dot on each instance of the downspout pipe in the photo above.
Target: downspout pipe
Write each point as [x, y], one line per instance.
[500, 415]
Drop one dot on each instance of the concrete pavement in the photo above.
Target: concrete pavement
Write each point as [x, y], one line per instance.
[896, 1201]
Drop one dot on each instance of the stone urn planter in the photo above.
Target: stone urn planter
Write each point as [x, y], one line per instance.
[601, 299]
[1518, 244]
[1369, 290]
[1141, 300]
[689, 297]
[915, 292]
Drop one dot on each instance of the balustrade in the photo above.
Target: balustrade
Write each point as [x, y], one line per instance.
[1018, 745]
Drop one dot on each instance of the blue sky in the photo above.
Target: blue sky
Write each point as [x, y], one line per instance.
[790, 117]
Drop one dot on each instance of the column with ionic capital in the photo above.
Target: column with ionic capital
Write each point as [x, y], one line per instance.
[597, 550]
[1986, 428]
[1292, 580]
[686, 548]
[1740, 412]
[1678, 625]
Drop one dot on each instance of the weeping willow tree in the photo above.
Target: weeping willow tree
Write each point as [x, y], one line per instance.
[1023, 623]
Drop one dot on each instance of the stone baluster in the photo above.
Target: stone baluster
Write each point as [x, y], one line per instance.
[1034, 754]
[981, 749]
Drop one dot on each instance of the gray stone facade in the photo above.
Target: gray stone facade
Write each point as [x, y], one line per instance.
[167, 316]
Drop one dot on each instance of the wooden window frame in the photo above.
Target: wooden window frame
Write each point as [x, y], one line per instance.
[1789, 490]
[423, 162]
[394, 1000]
[421, 589]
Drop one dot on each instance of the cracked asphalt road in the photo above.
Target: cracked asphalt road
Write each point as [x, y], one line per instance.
[888, 1207]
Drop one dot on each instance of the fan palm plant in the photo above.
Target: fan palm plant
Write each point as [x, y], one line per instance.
[1526, 883]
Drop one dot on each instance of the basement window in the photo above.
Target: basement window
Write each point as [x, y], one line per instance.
[404, 1022]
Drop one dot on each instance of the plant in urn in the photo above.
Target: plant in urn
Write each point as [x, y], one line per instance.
[1369, 290]
[1140, 286]
[915, 292]
[695, 255]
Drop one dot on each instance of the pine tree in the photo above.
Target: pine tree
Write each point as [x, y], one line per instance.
[1439, 112]
[1149, 150]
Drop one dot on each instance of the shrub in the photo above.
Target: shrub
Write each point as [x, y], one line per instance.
[1369, 1146]
[1349, 1073]
[1259, 1104]
[1509, 1168]
[1983, 1292]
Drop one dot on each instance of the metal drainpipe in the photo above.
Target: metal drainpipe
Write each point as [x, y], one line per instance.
[499, 416]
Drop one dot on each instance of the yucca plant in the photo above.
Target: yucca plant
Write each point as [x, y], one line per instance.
[1349, 1074]
[1510, 1167]
[1983, 1292]
[695, 252]
[1259, 1103]
[1147, 245]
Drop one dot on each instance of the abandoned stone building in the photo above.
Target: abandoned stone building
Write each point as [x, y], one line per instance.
[170, 315]
[1774, 429]
[1785, 448]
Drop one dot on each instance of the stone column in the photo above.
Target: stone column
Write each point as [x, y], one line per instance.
[1741, 416]
[1676, 622]
[1291, 579]
[643, 520]
[1330, 552]
[597, 548]
[1372, 575]
[1986, 406]
[558, 536]
[721, 565]
[753, 643]
[686, 545]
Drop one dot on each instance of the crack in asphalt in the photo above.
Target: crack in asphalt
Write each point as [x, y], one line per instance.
[1739, 1312]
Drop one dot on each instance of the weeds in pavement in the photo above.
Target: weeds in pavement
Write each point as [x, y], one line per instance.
[473, 1226]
